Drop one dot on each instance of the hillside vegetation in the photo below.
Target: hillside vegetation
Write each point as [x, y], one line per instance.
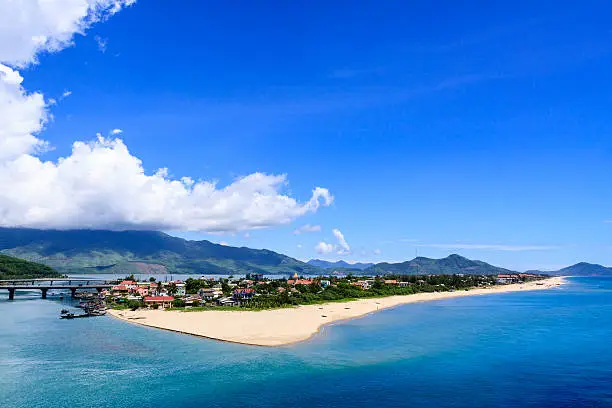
[152, 252]
[15, 268]
[451, 265]
[99, 251]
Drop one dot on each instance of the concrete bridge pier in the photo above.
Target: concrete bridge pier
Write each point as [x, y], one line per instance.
[99, 289]
[44, 292]
[73, 291]
[11, 294]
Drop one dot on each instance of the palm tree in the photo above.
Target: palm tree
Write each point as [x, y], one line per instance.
[172, 289]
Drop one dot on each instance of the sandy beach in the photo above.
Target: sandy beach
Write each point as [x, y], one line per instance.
[279, 327]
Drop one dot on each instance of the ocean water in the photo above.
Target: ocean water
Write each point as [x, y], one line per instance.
[537, 349]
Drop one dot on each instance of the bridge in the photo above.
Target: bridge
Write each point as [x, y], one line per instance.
[44, 285]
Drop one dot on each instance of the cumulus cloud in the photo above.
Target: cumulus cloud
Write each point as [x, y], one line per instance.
[101, 184]
[30, 27]
[23, 115]
[324, 248]
[307, 228]
[341, 248]
[116, 131]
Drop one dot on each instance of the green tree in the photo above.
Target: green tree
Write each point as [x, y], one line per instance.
[171, 288]
[134, 304]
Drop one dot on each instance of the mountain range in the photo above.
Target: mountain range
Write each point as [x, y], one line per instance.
[152, 252]
[142, 252]
[581, 269]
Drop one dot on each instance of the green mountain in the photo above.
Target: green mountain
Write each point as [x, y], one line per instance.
[583, 269]
[151, 252]
[452, 264]
[99, 251]
[15, 268]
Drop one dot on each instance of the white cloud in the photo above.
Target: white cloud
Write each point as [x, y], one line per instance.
[30, 27]
[377, 251]
[116, 131]
[101, 184]
[224, 243]
[299, 246]
[324, 248]
[343, 246]
[66, 94]
[307, 228]
[491, 247]
[102, 43]
[23, 115]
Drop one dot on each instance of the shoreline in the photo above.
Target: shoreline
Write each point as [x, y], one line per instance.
[279, 327]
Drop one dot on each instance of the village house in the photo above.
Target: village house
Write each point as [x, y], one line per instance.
[506, 279]
[364, 285]
[141, 291]
[403, 284]
[192, 300]
[226, 301]
[244, 294]
[209, 294]
[161, 301]
[180, 288]
[299, 282]
[390, 282]
[325, 283]
[120, 289]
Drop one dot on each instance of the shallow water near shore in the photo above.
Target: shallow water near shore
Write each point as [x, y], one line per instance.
[542, 348]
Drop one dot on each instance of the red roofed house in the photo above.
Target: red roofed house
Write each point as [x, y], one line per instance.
[142, 291]
[162, 301]
[503, 279]
[390, 282]
[299, 282]
[244, 294]
[120, 288]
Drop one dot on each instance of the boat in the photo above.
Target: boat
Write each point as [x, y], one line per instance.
[98, 312]
[73, 316]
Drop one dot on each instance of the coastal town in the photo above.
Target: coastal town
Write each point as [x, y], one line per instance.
[255, 291]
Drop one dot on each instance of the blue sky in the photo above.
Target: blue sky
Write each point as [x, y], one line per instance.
[482, 130]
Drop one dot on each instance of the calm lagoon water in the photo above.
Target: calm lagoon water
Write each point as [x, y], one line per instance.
[538, 349]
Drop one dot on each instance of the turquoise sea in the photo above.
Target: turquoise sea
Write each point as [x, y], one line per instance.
[537, 349]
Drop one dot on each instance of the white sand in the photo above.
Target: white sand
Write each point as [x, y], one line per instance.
[284, 326]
